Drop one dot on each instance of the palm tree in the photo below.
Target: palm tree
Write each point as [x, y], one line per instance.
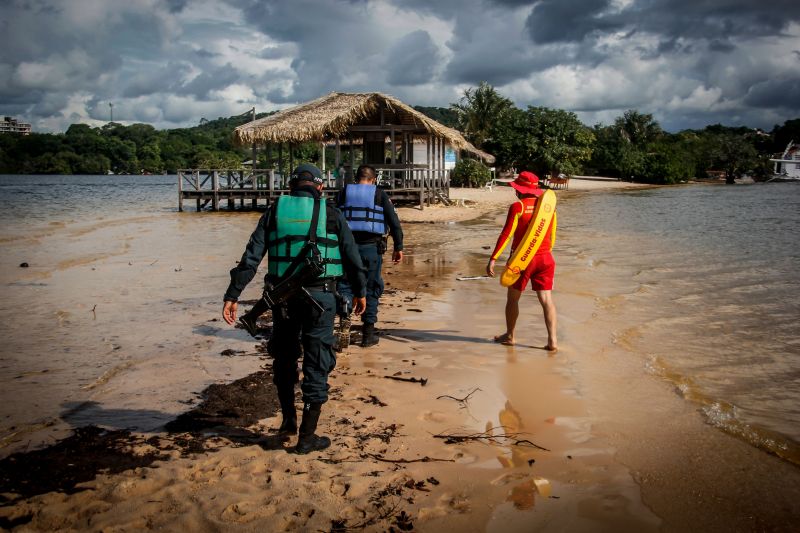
[478, 110]
[637, 129]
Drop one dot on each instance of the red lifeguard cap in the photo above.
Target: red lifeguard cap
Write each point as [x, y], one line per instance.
[526, 183]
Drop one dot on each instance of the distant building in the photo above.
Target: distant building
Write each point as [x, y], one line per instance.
[12, 125]
[788, 163]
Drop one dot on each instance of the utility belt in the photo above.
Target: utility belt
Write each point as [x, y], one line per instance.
[364, 238]
[322, 285]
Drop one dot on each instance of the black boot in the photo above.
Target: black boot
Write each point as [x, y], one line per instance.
[368, 335]
[309, 441]
[289, 423]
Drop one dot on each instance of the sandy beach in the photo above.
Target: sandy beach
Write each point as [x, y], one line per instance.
[435, 429]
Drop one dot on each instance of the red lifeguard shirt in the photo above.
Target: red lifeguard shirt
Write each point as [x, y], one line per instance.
[519, 216]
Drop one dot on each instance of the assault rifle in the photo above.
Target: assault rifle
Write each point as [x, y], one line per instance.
[275, 296]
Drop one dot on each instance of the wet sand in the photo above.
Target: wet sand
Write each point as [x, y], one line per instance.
[464, 452]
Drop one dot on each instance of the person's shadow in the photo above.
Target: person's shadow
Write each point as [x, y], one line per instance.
[430, 335]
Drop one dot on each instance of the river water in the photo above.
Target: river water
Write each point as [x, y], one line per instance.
[121, 288]
[713, 300]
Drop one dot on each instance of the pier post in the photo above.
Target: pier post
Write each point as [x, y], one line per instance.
[215, 190]
[196, 176]
[180, 191]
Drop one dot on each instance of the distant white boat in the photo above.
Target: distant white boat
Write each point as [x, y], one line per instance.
[787, 167]
[110, 172]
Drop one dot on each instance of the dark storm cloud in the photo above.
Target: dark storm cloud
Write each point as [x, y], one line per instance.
[783, 93]
[569, 20]
[155, 80]
[173, 61]
[175, 6]
[412, 60]
[54, 47]
[334, 39]
[574, 20]
[205, 54]
[210, 80]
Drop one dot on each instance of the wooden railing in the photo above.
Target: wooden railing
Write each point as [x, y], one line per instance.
[404, 183]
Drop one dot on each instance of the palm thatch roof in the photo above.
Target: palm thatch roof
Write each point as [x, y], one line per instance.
[332, 116]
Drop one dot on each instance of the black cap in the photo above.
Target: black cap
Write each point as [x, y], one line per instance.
[307, 172]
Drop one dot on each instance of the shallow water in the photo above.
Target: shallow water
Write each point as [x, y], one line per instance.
[115, 320]
[712, 299]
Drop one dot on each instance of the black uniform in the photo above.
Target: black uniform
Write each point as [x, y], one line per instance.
[371, 249]
[303, 330]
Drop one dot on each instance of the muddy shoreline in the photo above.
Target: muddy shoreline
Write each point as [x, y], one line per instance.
[495, 439]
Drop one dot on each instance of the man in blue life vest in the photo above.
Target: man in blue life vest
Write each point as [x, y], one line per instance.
[284, 233]
[370, 213]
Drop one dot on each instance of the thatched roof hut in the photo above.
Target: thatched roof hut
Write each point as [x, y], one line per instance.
[340, 115]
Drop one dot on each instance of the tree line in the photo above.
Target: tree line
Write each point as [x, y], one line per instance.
[547, 141]
[634, 147]
[134, 149]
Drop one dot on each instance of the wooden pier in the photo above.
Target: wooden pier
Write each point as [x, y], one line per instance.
[211, 189]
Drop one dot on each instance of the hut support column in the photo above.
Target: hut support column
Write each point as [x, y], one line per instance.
[393, 152]
[271, 185]
[255, 189]
[291, 159]
[280, 165]
[352, 157]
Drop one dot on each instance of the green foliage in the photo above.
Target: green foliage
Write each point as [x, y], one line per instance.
[134, 149]
[783, 135]
[470, 173]
[537, 138]
[442, 115]
[733, 154]
[666, 162]
[478, 110]
[637, 129]
[217, 160]
[542, 140]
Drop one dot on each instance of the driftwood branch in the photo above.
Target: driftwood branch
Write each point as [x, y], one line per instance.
[425, 459]
[462, 401]
[489, 436]
[421, 381]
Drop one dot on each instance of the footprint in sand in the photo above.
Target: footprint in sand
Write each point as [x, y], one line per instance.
[432, 416]
[244, 512]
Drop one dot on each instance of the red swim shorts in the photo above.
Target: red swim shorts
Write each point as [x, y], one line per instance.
[540, 273]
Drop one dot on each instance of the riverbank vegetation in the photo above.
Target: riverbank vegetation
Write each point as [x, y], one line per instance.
[547, 141]
[634, 147]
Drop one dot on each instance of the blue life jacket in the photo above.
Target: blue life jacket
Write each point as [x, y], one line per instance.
[359, 204]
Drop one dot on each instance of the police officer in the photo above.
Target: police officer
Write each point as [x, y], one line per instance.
[301, 329]
[370, 212]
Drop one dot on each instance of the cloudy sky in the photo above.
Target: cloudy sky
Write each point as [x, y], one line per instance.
[172, 62]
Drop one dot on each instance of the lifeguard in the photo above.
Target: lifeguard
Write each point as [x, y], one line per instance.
[541, 269]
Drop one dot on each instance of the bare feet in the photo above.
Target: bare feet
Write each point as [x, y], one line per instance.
[551, 349]
[505, 339]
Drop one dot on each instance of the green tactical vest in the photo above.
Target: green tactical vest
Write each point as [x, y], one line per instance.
[289, 233]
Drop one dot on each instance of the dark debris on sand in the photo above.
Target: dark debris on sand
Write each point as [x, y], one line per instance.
[78, 458]
[89, 451]
[234, 405]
